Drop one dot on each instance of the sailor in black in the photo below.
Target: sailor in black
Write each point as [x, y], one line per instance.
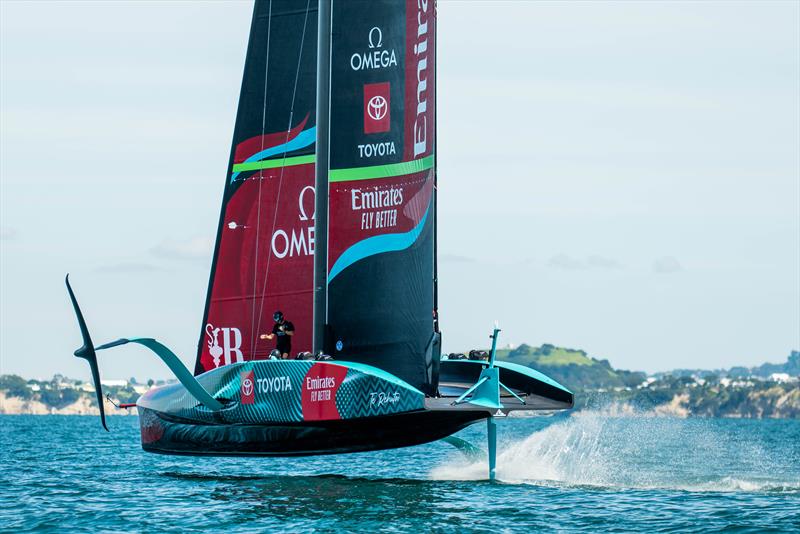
[283, 331]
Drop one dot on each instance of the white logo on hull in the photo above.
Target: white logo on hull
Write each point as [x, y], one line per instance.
[379, 398]
[231, 345]
[275, 384]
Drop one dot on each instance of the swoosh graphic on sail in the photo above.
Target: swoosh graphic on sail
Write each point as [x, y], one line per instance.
[376, 245]
[303, 139]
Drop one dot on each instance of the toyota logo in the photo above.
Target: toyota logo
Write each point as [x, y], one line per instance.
[247, 387]
[377, 108]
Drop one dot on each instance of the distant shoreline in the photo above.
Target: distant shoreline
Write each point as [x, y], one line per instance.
[769, 391]
[677, 407]
[83, 406]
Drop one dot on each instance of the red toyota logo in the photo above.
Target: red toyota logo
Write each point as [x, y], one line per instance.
[248, 387]
[377, 108]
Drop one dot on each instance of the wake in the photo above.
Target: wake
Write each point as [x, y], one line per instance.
[637, 451]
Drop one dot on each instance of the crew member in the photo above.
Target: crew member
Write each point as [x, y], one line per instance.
[282, 332]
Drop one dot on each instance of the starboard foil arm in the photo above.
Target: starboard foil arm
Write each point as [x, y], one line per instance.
[89, 353]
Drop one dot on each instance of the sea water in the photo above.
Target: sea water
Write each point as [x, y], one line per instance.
[591, 471]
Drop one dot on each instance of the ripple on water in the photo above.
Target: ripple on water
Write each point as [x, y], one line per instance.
[591, 471]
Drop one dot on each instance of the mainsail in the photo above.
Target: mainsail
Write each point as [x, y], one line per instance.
[263, 258]
[376, 176]
[381, 290]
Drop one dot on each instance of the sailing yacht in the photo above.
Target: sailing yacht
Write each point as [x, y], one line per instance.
[329, 215]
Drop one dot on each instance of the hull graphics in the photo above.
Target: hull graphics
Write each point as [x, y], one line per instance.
[164, 434]
[263, 392]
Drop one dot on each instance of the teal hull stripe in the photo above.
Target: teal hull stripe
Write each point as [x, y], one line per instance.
[376, 245]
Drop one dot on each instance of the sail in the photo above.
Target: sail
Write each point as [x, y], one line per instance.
[381, 186]
[263, 258]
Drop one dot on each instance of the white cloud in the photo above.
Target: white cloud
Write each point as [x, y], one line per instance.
[126, 267]
[602, 262]
[565, 262]
[568, 263]
[666, 265]
[195, 248]
[455, 258]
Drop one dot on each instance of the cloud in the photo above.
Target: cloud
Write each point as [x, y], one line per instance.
[601, 262]
[565, 262]
[126, 267]
[666, 265]
[7, 233]
[568, 263]
[195, 248]
[455, 258]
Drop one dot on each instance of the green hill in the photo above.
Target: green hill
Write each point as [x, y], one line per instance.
[572, 368]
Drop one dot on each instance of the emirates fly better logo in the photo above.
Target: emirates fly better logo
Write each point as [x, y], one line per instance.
[377, 108]
[248, 388]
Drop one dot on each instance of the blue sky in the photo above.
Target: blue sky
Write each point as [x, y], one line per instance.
[618, 177]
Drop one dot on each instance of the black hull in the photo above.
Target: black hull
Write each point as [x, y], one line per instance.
[166, 435]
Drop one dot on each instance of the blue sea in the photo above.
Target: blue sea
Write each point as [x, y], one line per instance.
[589, 471]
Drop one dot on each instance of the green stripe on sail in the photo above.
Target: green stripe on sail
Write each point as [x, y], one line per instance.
[380, 171]
[274, 163]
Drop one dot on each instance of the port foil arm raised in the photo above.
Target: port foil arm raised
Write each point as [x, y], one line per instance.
[89, 353]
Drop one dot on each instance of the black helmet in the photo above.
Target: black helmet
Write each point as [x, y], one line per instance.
[277, 316]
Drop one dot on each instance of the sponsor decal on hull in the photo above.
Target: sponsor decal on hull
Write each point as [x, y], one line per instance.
[319, 391]
[247, 391]
[273, 392]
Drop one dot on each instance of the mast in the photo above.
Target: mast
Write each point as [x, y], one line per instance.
[321, 175]
[436, 325]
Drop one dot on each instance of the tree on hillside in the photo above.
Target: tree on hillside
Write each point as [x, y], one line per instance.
[15, 386]
[522, 350]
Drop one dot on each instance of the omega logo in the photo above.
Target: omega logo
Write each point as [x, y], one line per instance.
[372, 34]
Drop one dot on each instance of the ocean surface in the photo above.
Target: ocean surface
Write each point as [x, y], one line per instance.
[589, 471]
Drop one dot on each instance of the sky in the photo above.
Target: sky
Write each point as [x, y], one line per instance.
[623, 178]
